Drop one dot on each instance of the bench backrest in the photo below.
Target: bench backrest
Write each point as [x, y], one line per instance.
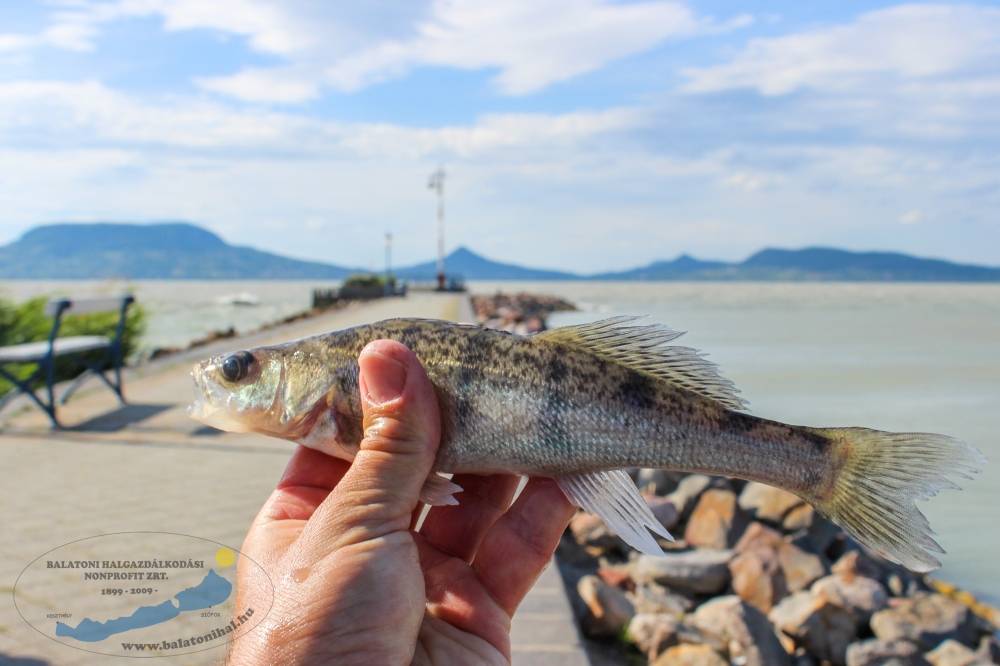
[85, 305]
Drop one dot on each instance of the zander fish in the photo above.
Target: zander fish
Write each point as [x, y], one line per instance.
[581, 404]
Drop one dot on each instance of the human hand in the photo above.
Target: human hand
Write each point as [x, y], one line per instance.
[353, 583]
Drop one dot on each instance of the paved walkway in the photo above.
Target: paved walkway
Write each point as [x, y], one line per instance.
[147, 467]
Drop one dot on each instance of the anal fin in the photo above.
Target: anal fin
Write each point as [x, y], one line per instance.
[614, 498]
[439, 491]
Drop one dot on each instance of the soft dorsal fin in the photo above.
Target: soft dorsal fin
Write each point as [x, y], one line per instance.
[644, 348]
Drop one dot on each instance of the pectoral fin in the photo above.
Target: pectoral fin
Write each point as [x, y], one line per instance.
[613, 497]
[439, 491]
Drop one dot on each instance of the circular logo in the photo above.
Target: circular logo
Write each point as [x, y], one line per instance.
[142, 594]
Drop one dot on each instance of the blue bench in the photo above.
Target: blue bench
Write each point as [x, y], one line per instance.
[43, 355]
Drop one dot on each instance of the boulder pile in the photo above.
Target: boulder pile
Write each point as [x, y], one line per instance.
[521, 313]
[757, 578]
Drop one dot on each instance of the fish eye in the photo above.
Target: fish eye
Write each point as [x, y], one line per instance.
[236, 366]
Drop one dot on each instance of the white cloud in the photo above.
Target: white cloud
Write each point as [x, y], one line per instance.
[283, 86]
[271, 27]
[13, 42]
[530, 43]
[911, 217]
[533, 44]
[747, 181]
[289, 28]
[907, 42]
[74, 115]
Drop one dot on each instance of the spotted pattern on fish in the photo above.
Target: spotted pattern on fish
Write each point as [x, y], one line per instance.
[526, 405]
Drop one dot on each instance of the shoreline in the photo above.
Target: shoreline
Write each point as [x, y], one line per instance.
[229, 333]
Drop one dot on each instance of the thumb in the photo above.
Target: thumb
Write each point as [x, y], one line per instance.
[380, 491]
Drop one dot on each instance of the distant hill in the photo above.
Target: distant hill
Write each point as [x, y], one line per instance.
[811, 263]
[472, 266]
[824, 263]
[684, 267]
[179, 250]
[146, 251]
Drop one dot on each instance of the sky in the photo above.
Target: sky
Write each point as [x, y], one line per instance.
[575, 134]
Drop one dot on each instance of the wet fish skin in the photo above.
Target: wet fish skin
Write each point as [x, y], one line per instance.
[520, 405]
[555, 405]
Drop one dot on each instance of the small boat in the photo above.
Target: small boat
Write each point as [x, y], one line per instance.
[245, 299]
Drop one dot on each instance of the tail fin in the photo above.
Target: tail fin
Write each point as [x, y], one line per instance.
[881, 477]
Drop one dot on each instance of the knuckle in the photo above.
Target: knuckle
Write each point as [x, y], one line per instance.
[389, 433]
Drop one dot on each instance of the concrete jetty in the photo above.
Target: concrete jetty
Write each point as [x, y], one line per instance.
[148, 467]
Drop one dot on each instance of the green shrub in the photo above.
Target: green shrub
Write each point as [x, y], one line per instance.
[27, 322]
[365, 280]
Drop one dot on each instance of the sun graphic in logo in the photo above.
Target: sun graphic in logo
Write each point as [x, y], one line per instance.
[225, 557]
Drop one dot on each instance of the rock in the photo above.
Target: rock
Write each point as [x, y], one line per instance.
[609, 608]
[592, 534]
[860, 595]
[903, 583]
[767, 502]
[699, 571]
[745, 631]
[820, 626]
[663, 510]
[802, 658]
[687, 633]
[653, 598]
[952, 653]
[899, 586]
[875, 652]
[857, 563]
[989, 649]
[615, 576]
[767, 567]
[758, 536]
[800, 568]
[652, 633]
[688, 490]
[798, 518]
[690, 655]
[758, 578]
[716, 521]
[788, 643]
[657, 481]
[818, 537]
[926, 619]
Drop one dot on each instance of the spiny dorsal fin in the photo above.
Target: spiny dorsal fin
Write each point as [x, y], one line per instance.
[644, 348]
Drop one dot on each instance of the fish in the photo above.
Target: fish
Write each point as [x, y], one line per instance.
[582, 404]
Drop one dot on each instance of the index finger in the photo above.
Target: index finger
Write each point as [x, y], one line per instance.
[307, 480]
[521, 543]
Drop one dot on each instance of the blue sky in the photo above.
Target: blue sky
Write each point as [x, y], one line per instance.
[584, 135]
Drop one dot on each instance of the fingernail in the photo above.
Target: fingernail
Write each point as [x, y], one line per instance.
[382, 377]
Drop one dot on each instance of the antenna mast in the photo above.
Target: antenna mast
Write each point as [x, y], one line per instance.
[436, 183]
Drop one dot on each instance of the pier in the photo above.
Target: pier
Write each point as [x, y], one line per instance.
[147, 467]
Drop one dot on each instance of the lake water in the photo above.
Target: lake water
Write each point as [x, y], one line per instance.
[888, 356]
[182, 310]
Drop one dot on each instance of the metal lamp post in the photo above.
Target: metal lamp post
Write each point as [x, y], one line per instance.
[436, 183]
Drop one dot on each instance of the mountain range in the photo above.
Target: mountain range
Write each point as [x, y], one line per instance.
[179, 250]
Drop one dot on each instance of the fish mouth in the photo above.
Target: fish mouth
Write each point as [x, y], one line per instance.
[212, 404]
